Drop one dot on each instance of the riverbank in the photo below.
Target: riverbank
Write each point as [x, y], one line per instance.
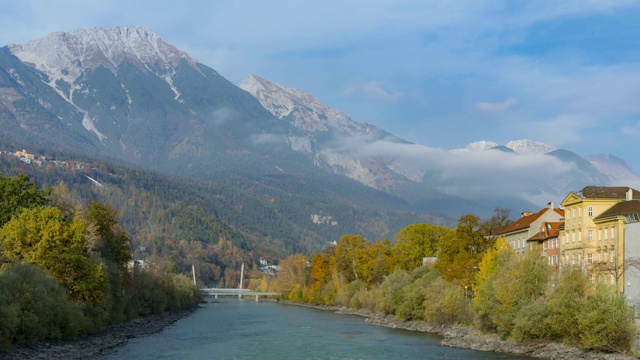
[94, 345]
[465, 337]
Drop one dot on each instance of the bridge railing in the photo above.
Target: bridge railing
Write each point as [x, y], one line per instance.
[215, 292]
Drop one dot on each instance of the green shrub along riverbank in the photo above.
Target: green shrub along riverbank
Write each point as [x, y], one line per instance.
[493, 289]
[64, 268]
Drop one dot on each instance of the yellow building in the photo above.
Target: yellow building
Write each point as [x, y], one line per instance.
[582, 241]
[610, 259]
[24, 154]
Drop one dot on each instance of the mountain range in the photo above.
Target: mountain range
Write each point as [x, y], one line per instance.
[124, 94]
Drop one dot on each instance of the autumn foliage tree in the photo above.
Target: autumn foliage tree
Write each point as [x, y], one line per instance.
[417, 241]
[40, 236]
[293, 273]
[112, 242]
[460, 254]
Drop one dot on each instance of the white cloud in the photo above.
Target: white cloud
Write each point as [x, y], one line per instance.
[488, 106]
[221, 116]
[475, 174]
[632, 130]
[268, 139]
[371, 90]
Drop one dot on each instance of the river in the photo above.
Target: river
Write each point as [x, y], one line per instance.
[243, 329]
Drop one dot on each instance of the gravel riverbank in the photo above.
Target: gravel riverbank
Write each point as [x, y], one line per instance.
[92, 346]
[465, 337]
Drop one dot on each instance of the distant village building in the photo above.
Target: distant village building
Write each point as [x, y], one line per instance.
[323, 219]
[24, 154]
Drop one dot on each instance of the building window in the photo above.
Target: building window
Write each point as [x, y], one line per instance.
[590, 259]
[579, 212]
[599, 234]
[580, 235]
[606, 233]
[590, 235]
[573, 237]
[613, 233]
[591, 278]
[573, 213]
[590, 211]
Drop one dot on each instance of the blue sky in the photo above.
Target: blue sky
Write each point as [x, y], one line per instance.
[438, 73]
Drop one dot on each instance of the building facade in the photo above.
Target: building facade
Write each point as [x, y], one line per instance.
[592, 235]
[528, 225]
[547, 242]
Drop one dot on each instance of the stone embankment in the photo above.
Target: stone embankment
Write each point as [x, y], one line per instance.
[465, 337]
[94, 345]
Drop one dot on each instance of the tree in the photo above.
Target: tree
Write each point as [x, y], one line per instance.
[17, 194]
[615, 268]
[40, 236]
[459, 255]
[496, 223]
[320, 269]
[521, 281]
[292, 273]
[416, 242]
[606, 323]
[34, 306]
[352, 256]
[484, 300]
[113, 243]
[69, 203]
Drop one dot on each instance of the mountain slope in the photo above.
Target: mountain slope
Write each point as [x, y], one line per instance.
[615, 168]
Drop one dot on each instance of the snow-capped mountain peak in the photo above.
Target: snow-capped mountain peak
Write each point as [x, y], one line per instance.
[65, 55]
[306, 112]
[476, 146]
[529, 147]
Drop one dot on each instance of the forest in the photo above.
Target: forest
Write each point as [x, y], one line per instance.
[473, 278]
[65, 267]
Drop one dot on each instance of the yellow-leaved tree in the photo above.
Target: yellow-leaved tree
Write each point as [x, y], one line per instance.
[41, 236]
[484, 301]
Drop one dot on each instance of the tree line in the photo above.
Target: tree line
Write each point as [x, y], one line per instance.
[476, 280]
[64, 267]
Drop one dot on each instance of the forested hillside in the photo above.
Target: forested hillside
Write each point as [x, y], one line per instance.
[214, 225]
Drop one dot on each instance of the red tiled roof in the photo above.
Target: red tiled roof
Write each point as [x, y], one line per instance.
[549, 230]
[526, 221]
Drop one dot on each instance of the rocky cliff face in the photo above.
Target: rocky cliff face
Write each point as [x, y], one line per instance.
[328, 135]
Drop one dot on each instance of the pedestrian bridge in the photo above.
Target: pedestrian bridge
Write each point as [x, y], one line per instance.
[215, 292]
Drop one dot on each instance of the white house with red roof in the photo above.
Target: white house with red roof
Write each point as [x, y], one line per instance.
[528, 225]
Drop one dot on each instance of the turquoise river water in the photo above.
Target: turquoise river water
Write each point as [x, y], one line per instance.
[243, 329]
